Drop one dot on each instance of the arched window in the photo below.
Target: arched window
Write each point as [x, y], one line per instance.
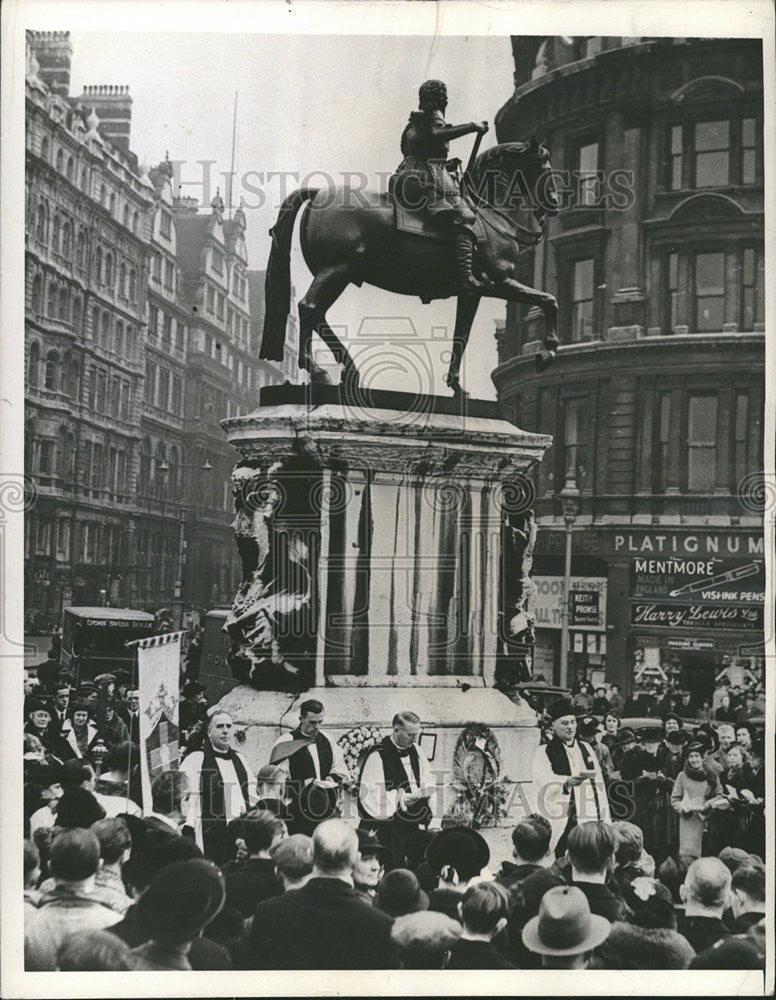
[66, 239]
[76, 313]
[70, 172]
[44, 148]
[98, 264]
[42, 222]
[109, 270]
[33, 365]
[55, 235]
[60, 161]
[123, 280]
[52, 371]
[37, 292]
[120, 338]
[80, 253]
[51, 305]
[64, 304]
[132, 284]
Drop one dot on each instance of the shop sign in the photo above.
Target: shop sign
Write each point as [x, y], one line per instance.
[697, 616]
[686, 543]
[586, 592]
[584, 608]
[668, 541]
[710, 580]
[697, 644]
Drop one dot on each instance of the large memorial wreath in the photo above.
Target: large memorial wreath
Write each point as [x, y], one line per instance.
[477, 774]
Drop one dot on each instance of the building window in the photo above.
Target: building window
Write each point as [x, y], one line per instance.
[42, 219]
[709, 292]
[177, 396]
[575, 451]
[675, 159]
[37, 291]
[662, 430]
[217, 261]
[587, 178]
[52, 371]
[748, 150]
[55, 235]
[80, 253]
[582, 289]
[132, 284]
[165, 224]
[179, 335]
[99, 403]
[701, 443]
[66, 239]
[675, 293]
[46, 458]
[63, 541]
[43, 537]
[153, 322]
[167, 332]
[33, 366]
[740, 457]
[77, 314]
[164, 388]
[752, 291]
[712, 154]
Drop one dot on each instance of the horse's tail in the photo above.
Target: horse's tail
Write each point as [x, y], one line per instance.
[277, 286]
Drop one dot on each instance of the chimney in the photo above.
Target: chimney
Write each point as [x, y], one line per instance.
[53, 51]
[113, 107]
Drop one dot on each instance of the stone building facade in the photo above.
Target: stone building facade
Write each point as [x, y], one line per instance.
[138, 341]
[656, 399]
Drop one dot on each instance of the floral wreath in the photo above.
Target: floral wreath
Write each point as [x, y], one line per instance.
[355, 743]
[477, 773]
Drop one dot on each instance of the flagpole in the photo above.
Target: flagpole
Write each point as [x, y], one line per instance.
[234, 143]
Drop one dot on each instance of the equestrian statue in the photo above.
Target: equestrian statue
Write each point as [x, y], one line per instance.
[434, 234]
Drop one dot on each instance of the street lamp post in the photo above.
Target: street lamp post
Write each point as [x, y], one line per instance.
[569, 497]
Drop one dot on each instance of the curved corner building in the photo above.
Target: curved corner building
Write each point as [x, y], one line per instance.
[656, 399]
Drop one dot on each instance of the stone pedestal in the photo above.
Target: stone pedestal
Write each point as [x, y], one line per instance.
[386, 543]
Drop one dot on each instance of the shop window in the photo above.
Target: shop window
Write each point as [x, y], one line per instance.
[582, 299]
[712, 154]
[701, 443]
[709, 292]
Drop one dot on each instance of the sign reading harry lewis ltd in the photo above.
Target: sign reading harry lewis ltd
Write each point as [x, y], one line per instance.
[696, 616]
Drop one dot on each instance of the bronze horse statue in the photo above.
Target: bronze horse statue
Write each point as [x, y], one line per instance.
[349, 237]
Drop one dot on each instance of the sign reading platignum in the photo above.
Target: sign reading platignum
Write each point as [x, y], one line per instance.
[158, 668]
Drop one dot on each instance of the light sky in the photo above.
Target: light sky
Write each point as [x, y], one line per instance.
[309, 103]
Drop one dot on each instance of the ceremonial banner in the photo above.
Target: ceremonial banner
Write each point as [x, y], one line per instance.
[158, 667]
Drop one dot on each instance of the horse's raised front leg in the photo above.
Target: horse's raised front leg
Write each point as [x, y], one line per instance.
[513, 291]
[465, 312]
[326, 288]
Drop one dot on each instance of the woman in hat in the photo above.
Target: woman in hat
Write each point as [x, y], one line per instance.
[459, 855]
[693, 789]
[78, 733]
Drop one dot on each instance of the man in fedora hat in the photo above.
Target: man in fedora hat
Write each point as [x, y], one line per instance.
[565, 932]
[568, 786]
[395, 786]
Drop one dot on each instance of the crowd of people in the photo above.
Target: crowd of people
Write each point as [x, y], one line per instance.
[638, 848]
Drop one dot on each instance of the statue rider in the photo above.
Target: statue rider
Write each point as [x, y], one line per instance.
[424, 177]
